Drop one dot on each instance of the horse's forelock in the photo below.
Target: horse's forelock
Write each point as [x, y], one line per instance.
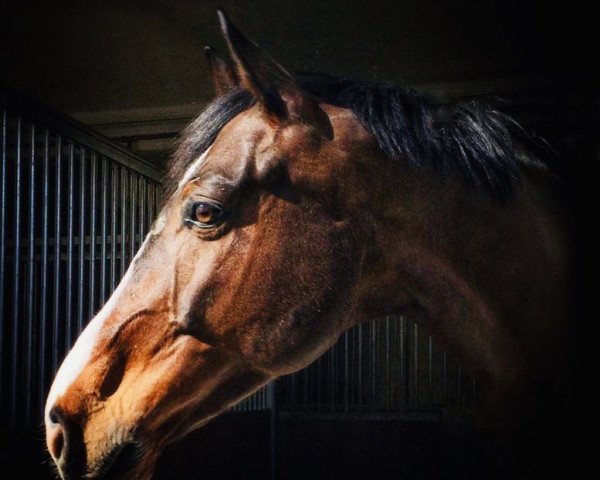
[201, 133]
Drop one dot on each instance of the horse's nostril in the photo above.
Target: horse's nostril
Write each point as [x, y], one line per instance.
[65, 443]
[54, 417]
[56, 441]
[55, 436]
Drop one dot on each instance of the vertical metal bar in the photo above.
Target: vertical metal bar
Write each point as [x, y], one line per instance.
[461, 395]
[397, 363]
[82, 211]
[404, 368]
[459, 388]
[387, 363]
[133, 195]
[124, 202]
[445, 376]
[346, 373]
[142, 213]
[157, 197]
[42, 367]
[332, 378]
[56, 317]
[416, 353]
[473, 394]
[113, 226]
[103, 228]
[292, 396]
[393, 363]
[430, 369]
[93, 200]
[70, 236]
[148, 211]
[273, 419]
[360, 364]
[319, 376]
[3, 209]
[28, 350]
[305, 392]
[397, 359]
[151, 203]
[373, 364]
[351, 380]
[14, 356]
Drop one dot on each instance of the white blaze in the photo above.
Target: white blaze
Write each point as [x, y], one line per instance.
[80, 354]
[189, 173]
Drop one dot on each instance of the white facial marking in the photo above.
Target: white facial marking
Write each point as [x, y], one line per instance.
[158, 226]
[192, 170]
[80, 354]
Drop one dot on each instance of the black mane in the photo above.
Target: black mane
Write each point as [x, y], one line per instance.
[482, 145]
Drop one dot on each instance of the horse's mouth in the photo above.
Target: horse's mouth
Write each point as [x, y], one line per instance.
[121, 462]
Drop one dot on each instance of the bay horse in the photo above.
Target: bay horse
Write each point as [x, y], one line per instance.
[297, 207]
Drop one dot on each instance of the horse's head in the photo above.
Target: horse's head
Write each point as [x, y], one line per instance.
[249, 272]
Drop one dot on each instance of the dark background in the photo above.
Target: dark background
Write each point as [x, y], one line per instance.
[135, 71]
[115, 55]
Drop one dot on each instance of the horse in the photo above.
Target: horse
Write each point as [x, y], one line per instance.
[297, 207]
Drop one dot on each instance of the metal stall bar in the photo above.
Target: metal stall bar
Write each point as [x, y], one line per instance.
[103, 228]
[123, 206]
[142, 210]
[133, 188]
[56, 316]
[14, 355]
[430, 370]
[360, 363]
[28, 350]
[56, 237]
[3, 197]
[42, 335]
[416, 366]
[93, 239]
[83, 194]
[68, 333]
[387, 364]
[113, 225]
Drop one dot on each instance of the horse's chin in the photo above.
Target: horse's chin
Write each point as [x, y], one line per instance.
[129, 461]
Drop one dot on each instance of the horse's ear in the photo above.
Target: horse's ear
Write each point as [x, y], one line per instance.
[271, 84]
[223, 76]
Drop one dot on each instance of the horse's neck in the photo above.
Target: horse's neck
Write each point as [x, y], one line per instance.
[488, 279]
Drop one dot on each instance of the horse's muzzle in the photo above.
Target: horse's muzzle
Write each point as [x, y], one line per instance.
[66, 445]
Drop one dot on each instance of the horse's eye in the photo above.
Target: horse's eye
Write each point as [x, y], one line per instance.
[205, 214]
